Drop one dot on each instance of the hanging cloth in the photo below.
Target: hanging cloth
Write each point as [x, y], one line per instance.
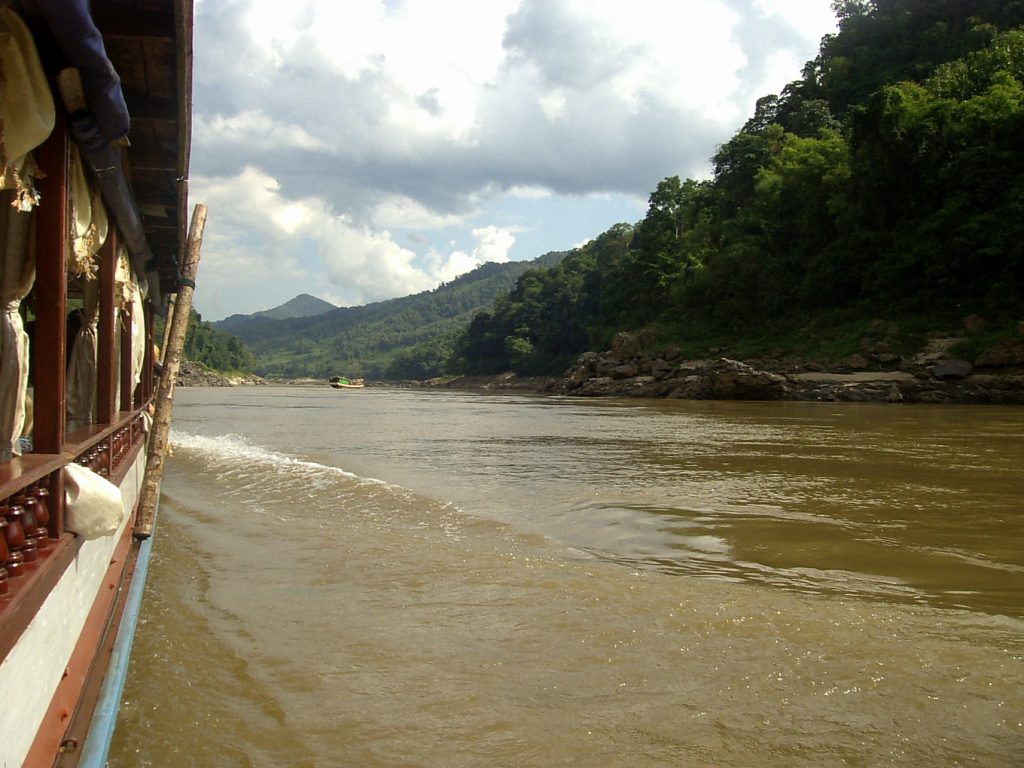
[26, 109]
[125, 289]
[26, 119]
[87, 220]
[16, 278]
[89, 226]
[81, 391]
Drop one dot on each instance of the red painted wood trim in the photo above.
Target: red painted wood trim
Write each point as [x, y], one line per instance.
[50, 339]
[125, 340]
[29, 592]
[47, 744]
[22, 471]
[105, 332]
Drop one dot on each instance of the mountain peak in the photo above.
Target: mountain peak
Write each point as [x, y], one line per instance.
[302, 305]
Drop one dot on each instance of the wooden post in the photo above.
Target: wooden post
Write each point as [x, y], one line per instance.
[106, 377]
[158, 442]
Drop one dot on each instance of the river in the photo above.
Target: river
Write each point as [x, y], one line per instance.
[430, 578]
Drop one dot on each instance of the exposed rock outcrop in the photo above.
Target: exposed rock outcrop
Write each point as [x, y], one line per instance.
[192, 374]
[626, 371]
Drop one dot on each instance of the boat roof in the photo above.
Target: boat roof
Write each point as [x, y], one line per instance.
[148, 43]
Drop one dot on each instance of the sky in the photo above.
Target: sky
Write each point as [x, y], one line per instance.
[361, 150]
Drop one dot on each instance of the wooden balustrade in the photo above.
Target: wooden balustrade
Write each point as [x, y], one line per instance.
[32, 534]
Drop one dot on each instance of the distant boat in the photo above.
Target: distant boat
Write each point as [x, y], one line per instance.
[340, 382]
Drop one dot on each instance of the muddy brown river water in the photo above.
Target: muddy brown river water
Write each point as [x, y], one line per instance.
[419, 578]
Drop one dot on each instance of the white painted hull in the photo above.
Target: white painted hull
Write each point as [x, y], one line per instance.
[34, 669]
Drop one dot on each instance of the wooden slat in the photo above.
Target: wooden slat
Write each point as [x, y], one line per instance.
[147, 107]
[139, 24]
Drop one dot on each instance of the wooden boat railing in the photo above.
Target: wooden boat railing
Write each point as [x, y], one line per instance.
[110, 450]
[109, 446]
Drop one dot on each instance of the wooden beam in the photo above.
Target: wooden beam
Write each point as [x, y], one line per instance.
[159, 437]
[49, 344]
[148, 157]
[132, 23]
[106, 332]
[142, 106]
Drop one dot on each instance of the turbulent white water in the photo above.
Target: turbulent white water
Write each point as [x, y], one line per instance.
[394, 578]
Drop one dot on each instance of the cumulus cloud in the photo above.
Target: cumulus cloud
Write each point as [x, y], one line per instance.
[363, 123]
[261, 242]
[492, 245]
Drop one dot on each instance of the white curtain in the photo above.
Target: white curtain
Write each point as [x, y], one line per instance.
[138, 337]
[26, 109]
[26, 119]
[19, 272]
[125, 292]
[81, 393]
[89, 226]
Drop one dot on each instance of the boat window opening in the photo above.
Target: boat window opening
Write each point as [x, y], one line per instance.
[82, 331]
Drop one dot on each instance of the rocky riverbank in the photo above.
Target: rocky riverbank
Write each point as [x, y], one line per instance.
[195, 375]
[628, 371]
[631, 369]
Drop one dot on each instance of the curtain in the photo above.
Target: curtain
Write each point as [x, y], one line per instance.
[89, 224]
[26, 109]
[138, 337]
[124, 289]
[19, 272]
[81, 392]
[26, 119]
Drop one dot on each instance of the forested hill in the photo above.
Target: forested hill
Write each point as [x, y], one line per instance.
[302, 305]
[884, 188]
[409, 337]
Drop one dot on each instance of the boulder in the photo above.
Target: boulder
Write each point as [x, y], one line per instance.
[625, 371]
[625, 345]
[952, 369]
[1005, 354]
[660, 368]
[726, 379]
[857, 362]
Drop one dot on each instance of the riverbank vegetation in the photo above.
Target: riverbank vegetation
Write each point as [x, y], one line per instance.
[411, 337]
[213, 348]
[874, 203]
[884, 188]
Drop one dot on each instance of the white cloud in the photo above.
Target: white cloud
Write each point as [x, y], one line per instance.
[529, 193]
[404, 212]
[812, 20]
[254, 129]
[260, 241]
[492, 245]
[322, 127]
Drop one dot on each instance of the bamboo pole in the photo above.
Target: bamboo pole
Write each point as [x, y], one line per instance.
[158, 439]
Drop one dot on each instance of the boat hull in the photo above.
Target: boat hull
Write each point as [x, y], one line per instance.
[58, 663]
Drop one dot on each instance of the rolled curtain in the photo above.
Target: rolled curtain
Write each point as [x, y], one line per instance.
[124, 290]
[81, 392]
[26, 109]
[89, 226]
[138, 337]
[26, 119]
[19, 272]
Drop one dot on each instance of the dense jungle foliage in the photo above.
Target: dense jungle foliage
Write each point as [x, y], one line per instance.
[887, 182]
[216, 349]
